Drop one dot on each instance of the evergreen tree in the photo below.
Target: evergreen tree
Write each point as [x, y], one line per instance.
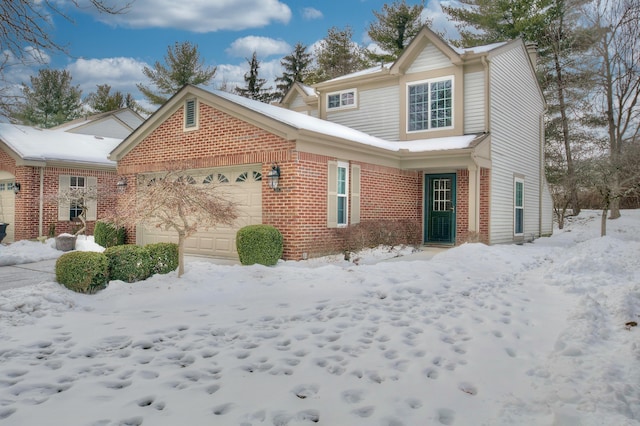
[337, 55]
[182, 66]
[103, 100]
[296, 69]
[397, 24]
[51, 100]
[255, 85]
[490, 21]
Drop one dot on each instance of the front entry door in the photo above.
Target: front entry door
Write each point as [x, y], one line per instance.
[440, 226]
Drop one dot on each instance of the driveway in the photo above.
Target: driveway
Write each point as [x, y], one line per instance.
[15, 276]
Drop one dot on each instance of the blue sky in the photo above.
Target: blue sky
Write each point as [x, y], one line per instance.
[107, 49]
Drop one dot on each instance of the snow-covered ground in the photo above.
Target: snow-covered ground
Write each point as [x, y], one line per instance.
[502, 335]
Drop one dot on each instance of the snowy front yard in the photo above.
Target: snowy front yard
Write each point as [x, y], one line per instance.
[528, 335]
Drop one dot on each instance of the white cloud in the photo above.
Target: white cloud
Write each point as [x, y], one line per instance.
[233, 75]
[263, 46]
[120, 73]
[199, 16]
[310, 13]
[441, 21]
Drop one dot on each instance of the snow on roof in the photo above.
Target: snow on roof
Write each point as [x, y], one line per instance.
[478, 49]
[306, 122]
[35, 144]
[308, 90]
[366, 71]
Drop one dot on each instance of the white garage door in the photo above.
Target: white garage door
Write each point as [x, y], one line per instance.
[244, 186]
[7, 205]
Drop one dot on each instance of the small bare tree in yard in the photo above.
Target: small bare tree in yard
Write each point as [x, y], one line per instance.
[81, 199]
[174, 201]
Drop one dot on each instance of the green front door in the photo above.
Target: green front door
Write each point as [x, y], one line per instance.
[440, 196]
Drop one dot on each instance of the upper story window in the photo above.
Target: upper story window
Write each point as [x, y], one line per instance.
[343, 99]
[190, 114]
[430, 105]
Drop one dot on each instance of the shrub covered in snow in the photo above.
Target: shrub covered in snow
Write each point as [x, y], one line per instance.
[107, 235]
[260, 244]
[164, 257]
[83, 271]
[129, 263]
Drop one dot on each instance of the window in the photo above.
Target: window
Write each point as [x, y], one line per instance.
[75, 207]
[344, 99]
[190, 114]
[343, 173]
[518, 207]
[68, 209]
[343, 202]
[430, 105]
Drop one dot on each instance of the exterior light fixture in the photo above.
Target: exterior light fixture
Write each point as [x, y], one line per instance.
[274, 177]
[122, 184]
[16, 188]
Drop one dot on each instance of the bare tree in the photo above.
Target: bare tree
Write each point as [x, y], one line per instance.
[174, 201]
[82, 199]
[617, 54]
[25, 33]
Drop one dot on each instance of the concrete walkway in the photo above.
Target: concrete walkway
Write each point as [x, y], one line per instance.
[15, 276]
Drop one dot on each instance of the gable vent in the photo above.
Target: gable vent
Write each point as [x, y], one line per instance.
[190, 113]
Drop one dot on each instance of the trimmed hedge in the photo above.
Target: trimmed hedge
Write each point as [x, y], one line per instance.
[260, 244]
[83, 271]
[164, 257]
[129, 263]
[107, 235]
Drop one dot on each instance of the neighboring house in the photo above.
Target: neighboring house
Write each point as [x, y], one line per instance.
[451, 139]
[37, 165]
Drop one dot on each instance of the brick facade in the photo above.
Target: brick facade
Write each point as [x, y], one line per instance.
[299, 208]
[27, 201]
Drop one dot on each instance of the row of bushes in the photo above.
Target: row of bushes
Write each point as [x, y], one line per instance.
[90, 272]
[107, 235]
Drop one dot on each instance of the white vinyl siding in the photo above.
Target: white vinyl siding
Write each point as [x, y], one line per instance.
[431, 58]
[516, 106]
[297, 102]
[64, 206]
[474, 102]
[378, 113]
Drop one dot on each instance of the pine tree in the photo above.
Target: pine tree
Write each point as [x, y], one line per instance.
[51, 100]
[397, 24]
[255, 85]
[103, 100]
[183, 66]
[337, 55]
[296, 69]
[490, 21]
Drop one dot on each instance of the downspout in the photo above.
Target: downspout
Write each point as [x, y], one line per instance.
[487, 113]
[41, 206]
[542, 176]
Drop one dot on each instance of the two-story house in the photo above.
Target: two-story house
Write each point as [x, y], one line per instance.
[451, 139]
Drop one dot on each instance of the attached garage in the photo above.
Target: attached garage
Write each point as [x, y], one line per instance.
[243, 185]
[7, 205]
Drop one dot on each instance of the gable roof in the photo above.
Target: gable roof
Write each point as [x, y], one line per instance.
[308, 93]
[289, 124]
[43, 146]
[126, 118]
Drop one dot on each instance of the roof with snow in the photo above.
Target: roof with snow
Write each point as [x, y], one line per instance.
[33, 144]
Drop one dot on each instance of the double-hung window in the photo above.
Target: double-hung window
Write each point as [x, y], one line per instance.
[430, 105]
[343, 195]
[76, 184]
[76, 193]
[518, 206]
[341, 100]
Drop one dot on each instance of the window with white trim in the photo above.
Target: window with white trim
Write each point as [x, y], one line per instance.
[342, 100]
[190, 114]
[430, 105]
[343, 194]
[518, 206]
[75, 207]
[342, 191]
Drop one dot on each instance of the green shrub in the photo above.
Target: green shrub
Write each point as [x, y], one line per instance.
[129, 263]
[83, 271]
[107, 235]
[164, 257]
[259, 244]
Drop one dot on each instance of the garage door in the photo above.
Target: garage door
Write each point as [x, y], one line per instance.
[243, 186]
[7, 205]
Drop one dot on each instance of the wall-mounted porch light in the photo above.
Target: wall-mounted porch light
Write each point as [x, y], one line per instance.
[16, 188]
[122, 184]
[274, 177]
